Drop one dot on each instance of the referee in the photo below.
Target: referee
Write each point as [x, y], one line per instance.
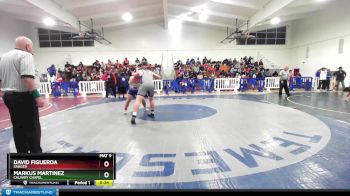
[19, 85]
[284, 81]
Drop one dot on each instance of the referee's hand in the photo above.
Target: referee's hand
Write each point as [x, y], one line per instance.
[40, 102]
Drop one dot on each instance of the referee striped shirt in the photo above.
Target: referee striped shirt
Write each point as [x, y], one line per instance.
[13, 66]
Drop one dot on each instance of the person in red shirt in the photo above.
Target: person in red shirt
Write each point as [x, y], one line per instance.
[211, 69]
[246, 69]
[59, 78]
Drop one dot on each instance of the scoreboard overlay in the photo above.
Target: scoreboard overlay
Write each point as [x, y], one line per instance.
[61, 169]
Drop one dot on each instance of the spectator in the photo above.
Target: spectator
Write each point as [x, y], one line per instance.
[52, 70]
[59, 78]
[117, 64]
[188, 62]
[217, 67]
[233, 70]
[256, 64]
[95, 75]
[79, 77]
[328, 82]
[198, 62]
[323, 78]
[122, 81]
[103, 65]
[67, 64]
[259, 74]
[137, 61]
[157, 70]
[110, 83]
[87, 75]
[318, 73]
[261, 63]
[290, 74]
[205, 60]
[59, 71]
[250, 60]
[235, 62]
[192, 62]
[340, 77]
[74, 75]
[144, 60]
[126, 61]
[68, 72]
[97, 65]
[80, 69]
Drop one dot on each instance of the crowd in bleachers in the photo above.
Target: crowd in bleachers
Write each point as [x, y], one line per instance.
[116, 74]
[95, 72]
[246, 67]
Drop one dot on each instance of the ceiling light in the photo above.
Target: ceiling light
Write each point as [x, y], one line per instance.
[275, 20]
[203, 17]
[49, 21]
[127, 17]
[321, 1]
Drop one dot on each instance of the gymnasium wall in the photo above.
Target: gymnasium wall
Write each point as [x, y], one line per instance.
[10, 29]
[160, 46]
[321, 33]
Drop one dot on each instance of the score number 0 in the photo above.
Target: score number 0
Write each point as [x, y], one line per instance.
[106, 164]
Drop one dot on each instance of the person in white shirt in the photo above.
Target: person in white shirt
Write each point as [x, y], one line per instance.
[323, 78]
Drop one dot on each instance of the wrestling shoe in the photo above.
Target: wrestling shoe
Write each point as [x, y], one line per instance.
[133, 120]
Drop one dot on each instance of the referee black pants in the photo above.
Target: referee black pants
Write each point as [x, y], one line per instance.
[284, 85]
[25, 120]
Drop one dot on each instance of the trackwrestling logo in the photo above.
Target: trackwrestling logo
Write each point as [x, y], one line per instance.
[30, 192]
